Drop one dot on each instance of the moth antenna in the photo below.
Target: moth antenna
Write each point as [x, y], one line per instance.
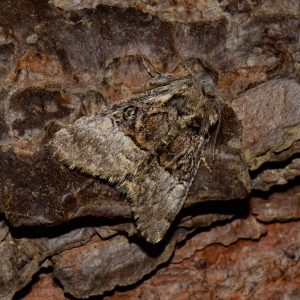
[149, 68]
[216, 135]
[158, 77]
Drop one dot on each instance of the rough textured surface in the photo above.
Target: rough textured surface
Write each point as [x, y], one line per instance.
[267, 269]
[21, 258]
[277, 176]
[100, 266]
[190, 11]
[279, 206]
[45, 288]
[61, 60]
[270, 114]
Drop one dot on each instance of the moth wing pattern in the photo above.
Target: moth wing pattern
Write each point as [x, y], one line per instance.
[158, 196]
[96, 146]
[147, 146]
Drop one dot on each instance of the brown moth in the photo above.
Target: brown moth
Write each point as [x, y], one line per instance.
[150, 146]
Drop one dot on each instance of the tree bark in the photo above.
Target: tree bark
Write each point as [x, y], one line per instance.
[62, 231]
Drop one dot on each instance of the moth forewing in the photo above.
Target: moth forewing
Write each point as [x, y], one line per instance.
[150, 145]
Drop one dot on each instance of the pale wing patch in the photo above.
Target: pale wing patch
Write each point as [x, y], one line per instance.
[97, 147]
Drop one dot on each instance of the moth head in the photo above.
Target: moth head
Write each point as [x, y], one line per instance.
[130, 113]
[202, 101]
[196, 98]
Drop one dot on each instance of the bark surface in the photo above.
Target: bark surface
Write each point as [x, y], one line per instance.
[238, 236]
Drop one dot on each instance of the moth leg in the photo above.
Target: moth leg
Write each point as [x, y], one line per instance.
[206, 164]
[149, 68]
[158, 78]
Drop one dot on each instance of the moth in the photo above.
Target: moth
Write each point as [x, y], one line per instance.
[150, 146]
